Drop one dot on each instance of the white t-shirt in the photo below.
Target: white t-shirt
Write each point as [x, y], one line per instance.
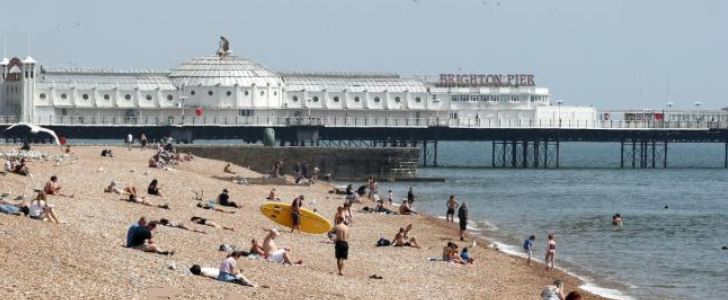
[129, 138]
[227, 265]
[210, 272]
[36, 208]
[8, 166]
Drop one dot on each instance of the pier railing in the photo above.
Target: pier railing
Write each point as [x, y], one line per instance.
[351, 122]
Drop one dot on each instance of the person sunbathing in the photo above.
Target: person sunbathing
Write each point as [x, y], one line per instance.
[22, 168]
[113, 189]
[256, 248]
[272, 195]
[167, 223]
[154, 189]
[212, 206]
[404, 209]
[14, 208]
[401, 239]
[52, 187]
[208, 222]
[450, 253]
[273, 253]
[228, 169]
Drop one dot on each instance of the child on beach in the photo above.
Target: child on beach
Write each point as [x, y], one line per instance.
[528, 248]
[550, 253]
[465, 256]
[391, 197]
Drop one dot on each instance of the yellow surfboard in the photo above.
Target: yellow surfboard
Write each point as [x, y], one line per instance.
[311, 222]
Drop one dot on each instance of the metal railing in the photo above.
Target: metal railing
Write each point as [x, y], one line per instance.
[352, 122]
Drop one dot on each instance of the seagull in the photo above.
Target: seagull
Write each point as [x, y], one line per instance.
[35, 129]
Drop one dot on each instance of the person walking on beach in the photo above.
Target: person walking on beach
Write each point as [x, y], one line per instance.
[550, 253]
[143, 141]
[463, 216]
[451, 204]
[341, 246]
[410, 196]
[296, 213]
[129, 140]
[528, 248]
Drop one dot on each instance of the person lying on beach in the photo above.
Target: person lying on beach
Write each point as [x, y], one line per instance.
[142, 239]
[132, 194]
[113, 189]
[14, 208]
[165, 222]
[404, 209]
[450, 254]
[224, 199]
[401, 239]
[10, 165]
[107, 153]
[212, 206]
[229, 271]
[52, 187]
[208, 222]
[375, 197]
[39, 209]
[228, 169]
[272, 196]
[154, 189]
[256, 248]
[465, 256]
[275, 254]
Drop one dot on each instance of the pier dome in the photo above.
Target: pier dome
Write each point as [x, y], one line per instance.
[228, 70]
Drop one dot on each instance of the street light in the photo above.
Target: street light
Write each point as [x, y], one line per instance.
[667, 113]
[559, 102]
[697, 110]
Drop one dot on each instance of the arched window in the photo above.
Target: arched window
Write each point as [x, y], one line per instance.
[418, 99]
[397, 99]
[247, 93]
[209, 93]
[295, 98]
[228, 93]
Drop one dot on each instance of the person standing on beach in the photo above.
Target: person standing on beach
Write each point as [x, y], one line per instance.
[451, 204]
[528, 248]
[296, 213]
[129, 140]
[391, 197]
[143, 141]
[341, 246]
[550, 253]
[410, 196]
[463, 217]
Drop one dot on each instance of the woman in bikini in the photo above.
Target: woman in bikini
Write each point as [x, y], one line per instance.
[550, 253]
[207, 222]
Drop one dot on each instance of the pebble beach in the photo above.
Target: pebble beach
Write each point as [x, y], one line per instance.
[84, 258]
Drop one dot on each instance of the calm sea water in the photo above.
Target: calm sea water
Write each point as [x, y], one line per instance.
[660, 253]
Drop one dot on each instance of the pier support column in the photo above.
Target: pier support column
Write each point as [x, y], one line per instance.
[524, 163]
[558, 151]
[434, 159]
[621, 155]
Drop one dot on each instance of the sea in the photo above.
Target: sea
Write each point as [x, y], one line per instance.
[675, 219]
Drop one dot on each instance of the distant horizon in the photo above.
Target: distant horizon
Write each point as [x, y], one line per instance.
[587, 54]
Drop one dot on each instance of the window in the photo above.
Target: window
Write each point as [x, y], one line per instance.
[85, 96]
[246, 93]
[170, 97]
[192, 92]
[397, 99]
[228, 93]
[295, 98]
[149, 97]
[376, 99]
[275, 93]
[127, 97]
[42, 96]
[245, 112]
[209, 93]
[356, 99]
[107, 97]
[64, 96]
[336, 99]
[262, 93]
[315, 99]
[418, 99]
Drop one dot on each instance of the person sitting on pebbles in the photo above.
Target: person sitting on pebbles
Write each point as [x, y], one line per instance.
[154, 189]
[224, 199]
[405, 209]
[450, 254]
[401, 239]
[229, 271]
[228, 169]
[142, 239]
[465, 256]
[52, 187]
[275, 254]
[208, 222]
[272, 196]
[39, 209]
[256, 248]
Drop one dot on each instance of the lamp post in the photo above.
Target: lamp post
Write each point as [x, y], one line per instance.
[437, 109]
[309, 110]
[559, 102]
[697, 111]
[667, 114]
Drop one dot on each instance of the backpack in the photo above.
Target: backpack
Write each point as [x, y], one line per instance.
[382, 242]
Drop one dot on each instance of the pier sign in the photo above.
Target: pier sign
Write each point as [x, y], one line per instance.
[494, 80]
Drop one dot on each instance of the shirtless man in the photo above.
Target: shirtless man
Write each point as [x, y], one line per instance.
[273, 253]
[228, 169]
[617, 220]
[452, 204]
[341, 246]
[401, 239]
[53, 188]
[296, 213]
[272, 195]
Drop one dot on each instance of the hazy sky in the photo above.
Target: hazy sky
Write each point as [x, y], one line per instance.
[588, 52]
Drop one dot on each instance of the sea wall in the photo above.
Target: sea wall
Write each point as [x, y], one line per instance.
[342, 163]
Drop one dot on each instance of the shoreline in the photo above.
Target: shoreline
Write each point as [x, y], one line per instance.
[95, 266]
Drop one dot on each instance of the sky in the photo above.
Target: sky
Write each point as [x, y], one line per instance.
[610, 54]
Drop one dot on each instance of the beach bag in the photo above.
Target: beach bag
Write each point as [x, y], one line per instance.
[196, 269]
[382, 242]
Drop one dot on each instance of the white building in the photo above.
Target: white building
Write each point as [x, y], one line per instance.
[225, 89]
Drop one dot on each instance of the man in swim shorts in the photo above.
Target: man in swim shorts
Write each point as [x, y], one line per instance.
[463, 216]
[296, 213]
[341, 246]
[451, 204]
[273, 253]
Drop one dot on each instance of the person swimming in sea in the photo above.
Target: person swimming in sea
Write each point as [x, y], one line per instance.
[617, 220]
